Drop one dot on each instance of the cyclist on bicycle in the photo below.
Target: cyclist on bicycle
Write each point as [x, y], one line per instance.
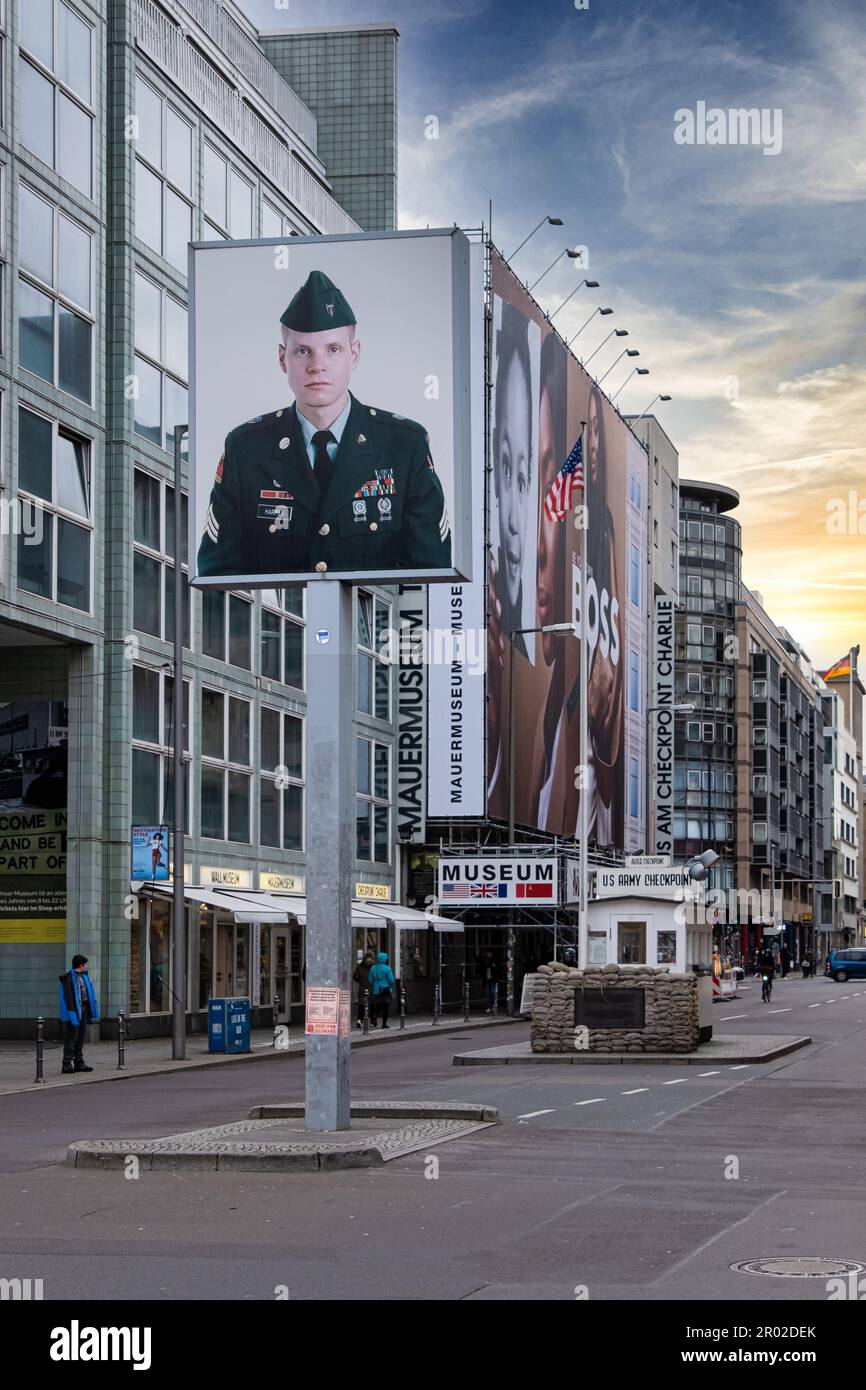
[767, 966]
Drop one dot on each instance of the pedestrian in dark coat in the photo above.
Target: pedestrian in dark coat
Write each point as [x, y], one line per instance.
[78, 1007]
[362, 980]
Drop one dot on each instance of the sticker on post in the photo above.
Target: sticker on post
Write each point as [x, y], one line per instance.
[322, 1011]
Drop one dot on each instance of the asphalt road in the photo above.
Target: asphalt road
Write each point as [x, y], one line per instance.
[633, 1182]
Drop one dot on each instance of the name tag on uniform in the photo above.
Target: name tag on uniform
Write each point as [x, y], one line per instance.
[278, 516]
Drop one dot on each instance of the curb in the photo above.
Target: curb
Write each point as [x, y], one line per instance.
[389, 1109]
[260, 1054]
[669, 1059]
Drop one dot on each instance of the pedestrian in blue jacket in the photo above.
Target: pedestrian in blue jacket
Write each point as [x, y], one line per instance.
[78, 1007]
[382, 984]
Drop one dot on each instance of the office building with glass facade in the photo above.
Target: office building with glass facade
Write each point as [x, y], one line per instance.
[127, 129]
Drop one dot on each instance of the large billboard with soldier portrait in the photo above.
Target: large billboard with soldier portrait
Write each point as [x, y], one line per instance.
[542, 400]
[330, 410]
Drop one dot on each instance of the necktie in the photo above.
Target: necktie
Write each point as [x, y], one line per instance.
[322, 462]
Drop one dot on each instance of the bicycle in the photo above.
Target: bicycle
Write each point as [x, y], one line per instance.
[766, 988]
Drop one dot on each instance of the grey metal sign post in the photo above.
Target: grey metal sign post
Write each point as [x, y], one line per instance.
[329, 820]
[178, 917]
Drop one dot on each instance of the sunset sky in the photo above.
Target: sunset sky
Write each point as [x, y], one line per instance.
[740, 276]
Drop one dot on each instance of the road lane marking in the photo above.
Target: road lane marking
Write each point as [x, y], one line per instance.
[740, 1065]
[636, 1092]
[844, 996]
[779, 1011]
[597, 1101]
[679, 1080]
[814, 1006]
[728, 1017]
[531, 1114]
[709, 1073]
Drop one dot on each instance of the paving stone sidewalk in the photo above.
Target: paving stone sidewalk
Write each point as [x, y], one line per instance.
[149, 1056]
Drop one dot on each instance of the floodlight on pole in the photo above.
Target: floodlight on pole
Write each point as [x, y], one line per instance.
[641, 371]
[554, 222]
[603, 312]
[590, 285]
[627, 352]
[572, 256]
[649, 408]
[614, 333]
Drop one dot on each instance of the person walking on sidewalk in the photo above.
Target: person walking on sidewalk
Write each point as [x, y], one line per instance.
[362, 980]
[78, 1007]
[382, 985]
[488, 975]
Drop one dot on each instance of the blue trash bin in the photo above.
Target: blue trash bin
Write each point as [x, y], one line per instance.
[228, 1025]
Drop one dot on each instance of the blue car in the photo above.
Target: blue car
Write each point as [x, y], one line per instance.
[849, 964]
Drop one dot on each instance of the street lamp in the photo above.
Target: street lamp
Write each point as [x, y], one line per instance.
[686, 708]
[649, 408]
[590, 285]
[603, 312]
[641, 371]
[572, 256]
[521, 632]
[627, 352]
[554, 222]
[614, 333]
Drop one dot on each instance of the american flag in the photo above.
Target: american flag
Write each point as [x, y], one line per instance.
[561, 491]
[456, 890]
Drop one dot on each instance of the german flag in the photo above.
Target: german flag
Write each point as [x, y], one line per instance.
[843, 666]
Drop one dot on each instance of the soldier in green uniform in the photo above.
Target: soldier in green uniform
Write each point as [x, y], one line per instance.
[326, 484]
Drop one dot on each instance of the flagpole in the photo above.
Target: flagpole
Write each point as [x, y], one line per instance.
[583, 900]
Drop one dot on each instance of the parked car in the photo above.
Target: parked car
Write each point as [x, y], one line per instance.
[847, 964]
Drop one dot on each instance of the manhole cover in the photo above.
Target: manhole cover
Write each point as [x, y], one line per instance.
[807, 1267]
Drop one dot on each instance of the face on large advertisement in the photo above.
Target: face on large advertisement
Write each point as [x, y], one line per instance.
[542, 397]
[330, 410]
[606, 485]
[528, 585]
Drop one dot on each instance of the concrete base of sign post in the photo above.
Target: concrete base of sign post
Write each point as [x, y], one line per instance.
[273, 1140]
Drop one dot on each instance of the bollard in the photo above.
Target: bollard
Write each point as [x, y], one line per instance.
[466, 1001]
[121, 1041]
[496, 997]
[437, 1003]
[402, 1007]
[366, 1011]
[40, 1023]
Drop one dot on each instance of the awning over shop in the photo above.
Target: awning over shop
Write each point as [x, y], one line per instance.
[244, 907]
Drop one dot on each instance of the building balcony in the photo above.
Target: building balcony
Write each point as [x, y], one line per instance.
[165, 44]
[248, 58]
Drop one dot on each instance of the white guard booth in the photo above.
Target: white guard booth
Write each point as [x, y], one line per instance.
[643, 914]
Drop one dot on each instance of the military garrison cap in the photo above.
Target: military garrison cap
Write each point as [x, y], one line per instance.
[317, 306]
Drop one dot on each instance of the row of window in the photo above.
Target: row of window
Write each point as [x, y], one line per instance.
[226, 773]
[55, 89]
[164, 185]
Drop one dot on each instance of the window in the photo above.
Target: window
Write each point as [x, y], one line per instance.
[153, 748]
[282, 636]
[54, 544]
[374, 671]
[372, 807]
[693, 731]
[693, 633]
[709, 733]
[759, 783]
[633, 784]
[759, 735]
[55, 296]
[56, 89]
[163, 176]
[634, 681]
[759, 690]
[281, 800]
[759, 832]
[160, 364]
[227, 198]
[634, 575]
[153, 578]
[693, 682]
[227, 624]
[693, 780]
[226, 771]
[275, 223]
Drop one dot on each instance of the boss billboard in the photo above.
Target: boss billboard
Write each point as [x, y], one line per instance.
[330, 418]
[541, 397]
